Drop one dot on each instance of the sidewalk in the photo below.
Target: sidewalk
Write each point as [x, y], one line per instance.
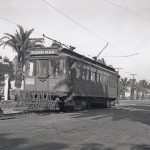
[10, 111]
[8, 107]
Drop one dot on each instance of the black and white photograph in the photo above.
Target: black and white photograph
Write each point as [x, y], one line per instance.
[74, 75]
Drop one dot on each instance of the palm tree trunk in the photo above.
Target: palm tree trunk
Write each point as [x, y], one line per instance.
[19, 75]
[137, 96]
[142, 96]
[123, 95]
[132, 94]
[9, 86]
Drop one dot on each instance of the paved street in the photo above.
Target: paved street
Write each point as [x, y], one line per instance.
[124, 127]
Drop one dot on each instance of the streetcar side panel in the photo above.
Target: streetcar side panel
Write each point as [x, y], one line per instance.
[94, 82]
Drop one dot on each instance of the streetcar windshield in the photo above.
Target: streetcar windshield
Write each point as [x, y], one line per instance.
[43, 67]
[57, 67]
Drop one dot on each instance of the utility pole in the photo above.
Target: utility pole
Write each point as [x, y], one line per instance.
[118, 69]
[133, 82]
[133, 75]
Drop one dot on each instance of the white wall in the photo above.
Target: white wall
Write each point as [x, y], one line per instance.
[6, 87]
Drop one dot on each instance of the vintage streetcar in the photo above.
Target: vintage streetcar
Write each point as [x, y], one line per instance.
[58, 78]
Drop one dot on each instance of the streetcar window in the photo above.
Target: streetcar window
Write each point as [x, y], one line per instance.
[93, 76]
[101, 78]
[43, 68]
[57, 67]
[87, 75]
[98, 77]
[110, 83]
[84, 74]
[104, 79]
[62, 67]
[51, 67]
[78, 72]
[31, 68]
[107, 80]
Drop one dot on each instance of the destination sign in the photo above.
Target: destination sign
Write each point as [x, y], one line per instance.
[44, 52]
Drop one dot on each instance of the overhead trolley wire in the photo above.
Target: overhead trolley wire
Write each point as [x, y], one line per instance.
[124, 55]
[82, 26]
[88, 30]
[73, 20]
[12, 22]
[127, 10]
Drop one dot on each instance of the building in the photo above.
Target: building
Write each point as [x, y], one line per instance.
[4, 78]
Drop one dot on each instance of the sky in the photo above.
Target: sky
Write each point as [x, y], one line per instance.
[124, 24]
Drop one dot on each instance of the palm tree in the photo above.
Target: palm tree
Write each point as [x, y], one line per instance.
[148, 87]
[124, 83]
[20, 42]
[143, 86]
[133, 84]
[138, 90]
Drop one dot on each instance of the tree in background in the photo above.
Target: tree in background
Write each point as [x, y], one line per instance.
[143, 86]
[6, 67]
[133, 84]
[20, 42]
[138, 90]
[148, 88]
[124, 83]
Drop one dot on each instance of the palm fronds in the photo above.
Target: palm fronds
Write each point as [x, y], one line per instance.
[20, 42]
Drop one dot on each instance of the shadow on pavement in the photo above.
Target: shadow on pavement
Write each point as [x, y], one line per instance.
[11, 143]
[141, 147]
[133, 113]
[95, 146]
[49, 146]
[7, 143]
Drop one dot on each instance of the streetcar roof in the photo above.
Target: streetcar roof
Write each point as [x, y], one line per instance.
[57, 52]
[84, 58]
